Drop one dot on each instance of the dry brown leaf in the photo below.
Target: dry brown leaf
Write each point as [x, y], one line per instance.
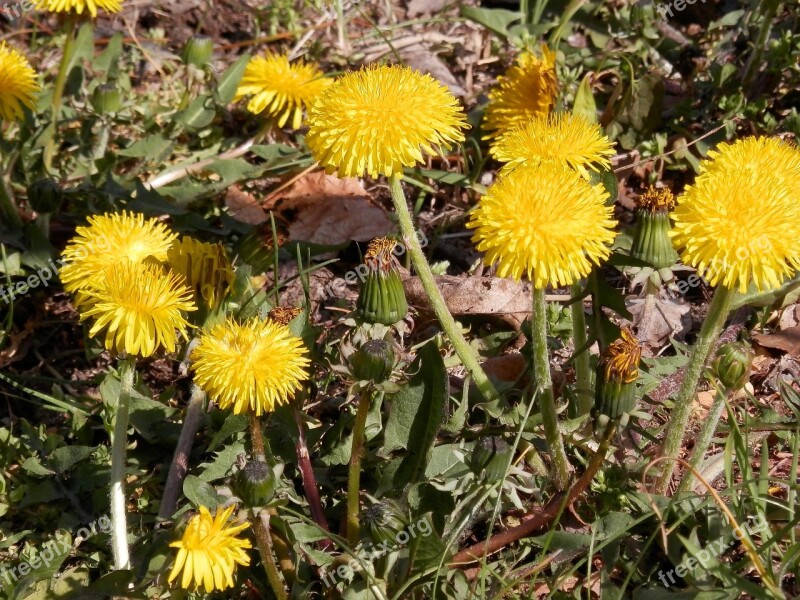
[426, 61]
[507, 368]
[244, 207]
[668, 319]
[787, 341]
[326, 210]
[507, 299]
[418, 8]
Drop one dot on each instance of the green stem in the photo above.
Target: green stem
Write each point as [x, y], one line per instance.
[451, 328]
[583, 367]
[704, 441]
[58, 89]
[354, 475]
[7, 209]
[544, 390]
[257, 438]
[180, 460]
[712, 326]
[119, 444]
[260, 521]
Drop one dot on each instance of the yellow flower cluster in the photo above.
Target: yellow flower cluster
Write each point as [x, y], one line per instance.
[18, 84]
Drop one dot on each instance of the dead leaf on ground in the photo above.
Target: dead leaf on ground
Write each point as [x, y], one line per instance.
[244, 206]
[507, 368]
[417, 8]
[504, 298]
[668, 319]
[426, 61]
[787, 341]
[329, 211]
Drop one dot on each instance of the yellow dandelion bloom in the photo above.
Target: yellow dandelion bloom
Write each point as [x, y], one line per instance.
[546, 222]
[281, 89]
[79, 6]
[108, 241]
[209, 551]
[381, 119]
[527, 90]
[205, 267]
[567, 138]
[18, 83]
[254, 366]
[620, 360]
[140, 307]
[739, 223]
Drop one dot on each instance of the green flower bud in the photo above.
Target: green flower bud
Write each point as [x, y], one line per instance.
[373, 361]
[617, 372]
[490, 455]
[45, 195]
[384, 521]
[106, 99]
[651, 241]
[198, 51]
[382, 298]
[732, 365]
[255, 484]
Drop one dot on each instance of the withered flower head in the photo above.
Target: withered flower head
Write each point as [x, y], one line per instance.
[656, 200]
[620, 360]
[284, 314]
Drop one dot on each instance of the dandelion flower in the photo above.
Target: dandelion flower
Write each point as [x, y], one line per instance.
[109, 241]
[546, 222]
[281, 89]
[527, 90]
[205, 267]
[79, 6]
[381, 119]
[17, 83]
[209, 551]
[567, 138]
[140, 307]
[739, 223]
[254, 366]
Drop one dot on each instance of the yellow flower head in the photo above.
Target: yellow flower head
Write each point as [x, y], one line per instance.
[739, 223]
[140, 306]
[109, 241]
[79, 6]
[254, 366]
[17, 83]
[546, 222]
[205, 267]
[281, 89]
[527, 90]
[381, 119]
[620, 360]
[209, 551]
[566, 138]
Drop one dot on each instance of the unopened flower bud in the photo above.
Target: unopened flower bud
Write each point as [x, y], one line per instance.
[651, 241]
[382, 298]
[106, 99]
[198, 51]
[255, 484]
[384, 521]
[45, 195]
[490, 455]
[373, 361]
[732, 365]
[617, 372]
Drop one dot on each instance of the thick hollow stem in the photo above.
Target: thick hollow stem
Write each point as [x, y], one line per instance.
[704, 441]
[308, 477]
[354, 475]
[260, 522]
[451, 328]
[180, 460]
[257, 437]
[119, 443]
[715, 319]
[58, 89]
[544, 391]
[583, 367]
[7, 208]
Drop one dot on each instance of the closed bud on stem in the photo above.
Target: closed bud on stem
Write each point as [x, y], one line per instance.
[198, 51]
[651, 241]
[45, 195]
[255, 484]
[106, 99]
[382, 298]
[732, 365]
[373, 361]
[617, 372]
[490, 456]
[384, 521]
